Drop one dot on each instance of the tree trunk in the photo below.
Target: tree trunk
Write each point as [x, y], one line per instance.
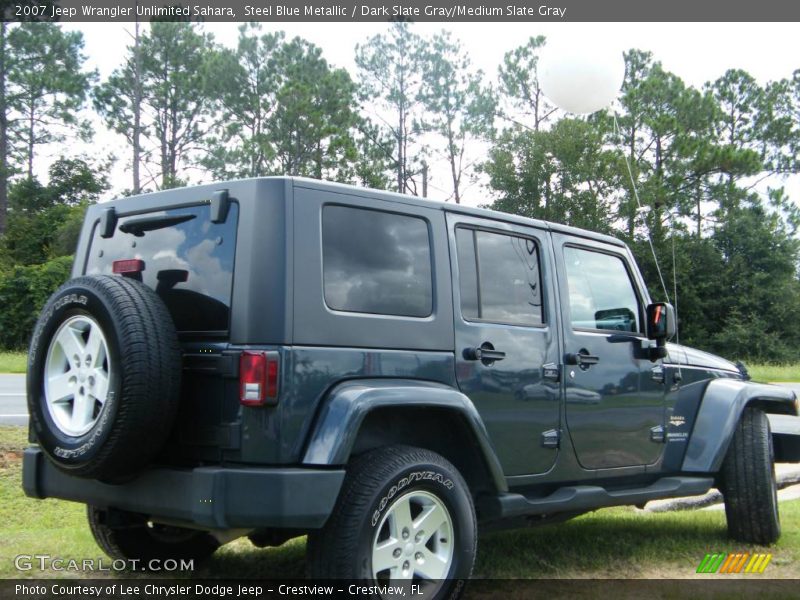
[137, 111]
[318, 160]
[173, 146]
[454, 171]
[31, 138]
[400, 156]
[164, 160]
[659, 201]
[546, 197]
[3, 132]
[632, 163]
[699, 215]
[454, 174]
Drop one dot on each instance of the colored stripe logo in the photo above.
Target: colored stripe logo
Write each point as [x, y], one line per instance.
[737, 562]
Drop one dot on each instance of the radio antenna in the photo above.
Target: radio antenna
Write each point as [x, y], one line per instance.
[674, 277]
[641, 209]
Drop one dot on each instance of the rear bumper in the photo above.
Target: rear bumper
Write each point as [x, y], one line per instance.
[208, 497]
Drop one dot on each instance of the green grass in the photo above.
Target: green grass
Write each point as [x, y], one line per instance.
[624, 542]
[774, 372]
[13, 362]
[610, 543]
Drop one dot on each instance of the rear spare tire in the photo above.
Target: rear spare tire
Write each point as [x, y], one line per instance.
[103, 377]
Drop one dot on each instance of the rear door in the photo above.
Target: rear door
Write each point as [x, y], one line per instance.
[188, 260]
[614, 399]
[506, 337]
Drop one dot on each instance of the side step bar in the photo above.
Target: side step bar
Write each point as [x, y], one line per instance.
[588, 497]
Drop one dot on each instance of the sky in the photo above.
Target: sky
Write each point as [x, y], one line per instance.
[696, 52]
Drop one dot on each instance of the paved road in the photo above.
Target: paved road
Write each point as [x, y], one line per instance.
[13, 405]
[14, 409]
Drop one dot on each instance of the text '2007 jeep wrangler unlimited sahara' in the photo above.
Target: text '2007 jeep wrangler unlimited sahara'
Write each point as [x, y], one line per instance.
[278, 356]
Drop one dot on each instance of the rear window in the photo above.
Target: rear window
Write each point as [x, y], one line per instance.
[188, 261]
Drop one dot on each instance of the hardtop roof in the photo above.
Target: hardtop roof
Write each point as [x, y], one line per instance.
[134, 203]
[453, 208]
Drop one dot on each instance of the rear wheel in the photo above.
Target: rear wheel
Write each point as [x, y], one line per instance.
[404, 516]
[748, 482]
[136, 539]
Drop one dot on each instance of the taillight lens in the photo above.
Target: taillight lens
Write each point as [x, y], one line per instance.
[128, 265]
[259, 374]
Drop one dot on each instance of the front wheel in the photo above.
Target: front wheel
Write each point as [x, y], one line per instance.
[405, 515]
[748, 482]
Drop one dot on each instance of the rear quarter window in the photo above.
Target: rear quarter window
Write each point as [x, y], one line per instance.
[188, 261]
[376, 262]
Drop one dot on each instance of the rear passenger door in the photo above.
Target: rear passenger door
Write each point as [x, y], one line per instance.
[506, 342]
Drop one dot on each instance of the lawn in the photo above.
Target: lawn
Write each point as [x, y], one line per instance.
[775, 373]
[13, 362]
[616, 543]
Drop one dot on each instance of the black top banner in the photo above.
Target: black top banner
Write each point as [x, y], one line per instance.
[411, 10]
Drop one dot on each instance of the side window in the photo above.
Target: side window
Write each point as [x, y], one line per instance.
[376, 262]
[499, 278]
[601, 295]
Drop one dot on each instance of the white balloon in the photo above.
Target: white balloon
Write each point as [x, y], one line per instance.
[581, 78]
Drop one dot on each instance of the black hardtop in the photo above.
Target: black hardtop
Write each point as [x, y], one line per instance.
[190, 195]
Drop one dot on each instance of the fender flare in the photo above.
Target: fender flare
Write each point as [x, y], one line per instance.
[720, 409]
[338, 424]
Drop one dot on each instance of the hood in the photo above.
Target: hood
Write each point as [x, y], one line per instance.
[684, 355]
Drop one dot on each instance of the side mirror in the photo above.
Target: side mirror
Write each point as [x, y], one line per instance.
[660, 321]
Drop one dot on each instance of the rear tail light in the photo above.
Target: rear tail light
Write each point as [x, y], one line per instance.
[259, 373]
[129, 265]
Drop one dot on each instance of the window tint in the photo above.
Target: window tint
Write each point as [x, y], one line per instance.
[188, 261]
[601, 295]
[499, 277]
[376, 262]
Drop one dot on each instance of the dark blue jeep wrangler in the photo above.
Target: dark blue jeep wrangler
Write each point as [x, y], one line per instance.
[275, 357]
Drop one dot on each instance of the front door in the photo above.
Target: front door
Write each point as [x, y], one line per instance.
[614, 403]
[506, 337]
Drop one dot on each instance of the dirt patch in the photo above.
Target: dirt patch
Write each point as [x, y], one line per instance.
[10, 458]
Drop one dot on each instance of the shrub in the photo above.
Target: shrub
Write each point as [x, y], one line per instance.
[23, 292]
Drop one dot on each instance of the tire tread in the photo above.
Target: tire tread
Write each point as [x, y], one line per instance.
[149, 367]
[331, 550]
[748, 479]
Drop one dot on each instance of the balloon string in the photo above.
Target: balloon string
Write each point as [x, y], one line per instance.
[639, 204]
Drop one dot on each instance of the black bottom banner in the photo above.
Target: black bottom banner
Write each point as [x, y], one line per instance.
[616, 589]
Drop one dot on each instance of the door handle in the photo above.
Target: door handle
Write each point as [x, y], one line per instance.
[485, 353]
[582, 358]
